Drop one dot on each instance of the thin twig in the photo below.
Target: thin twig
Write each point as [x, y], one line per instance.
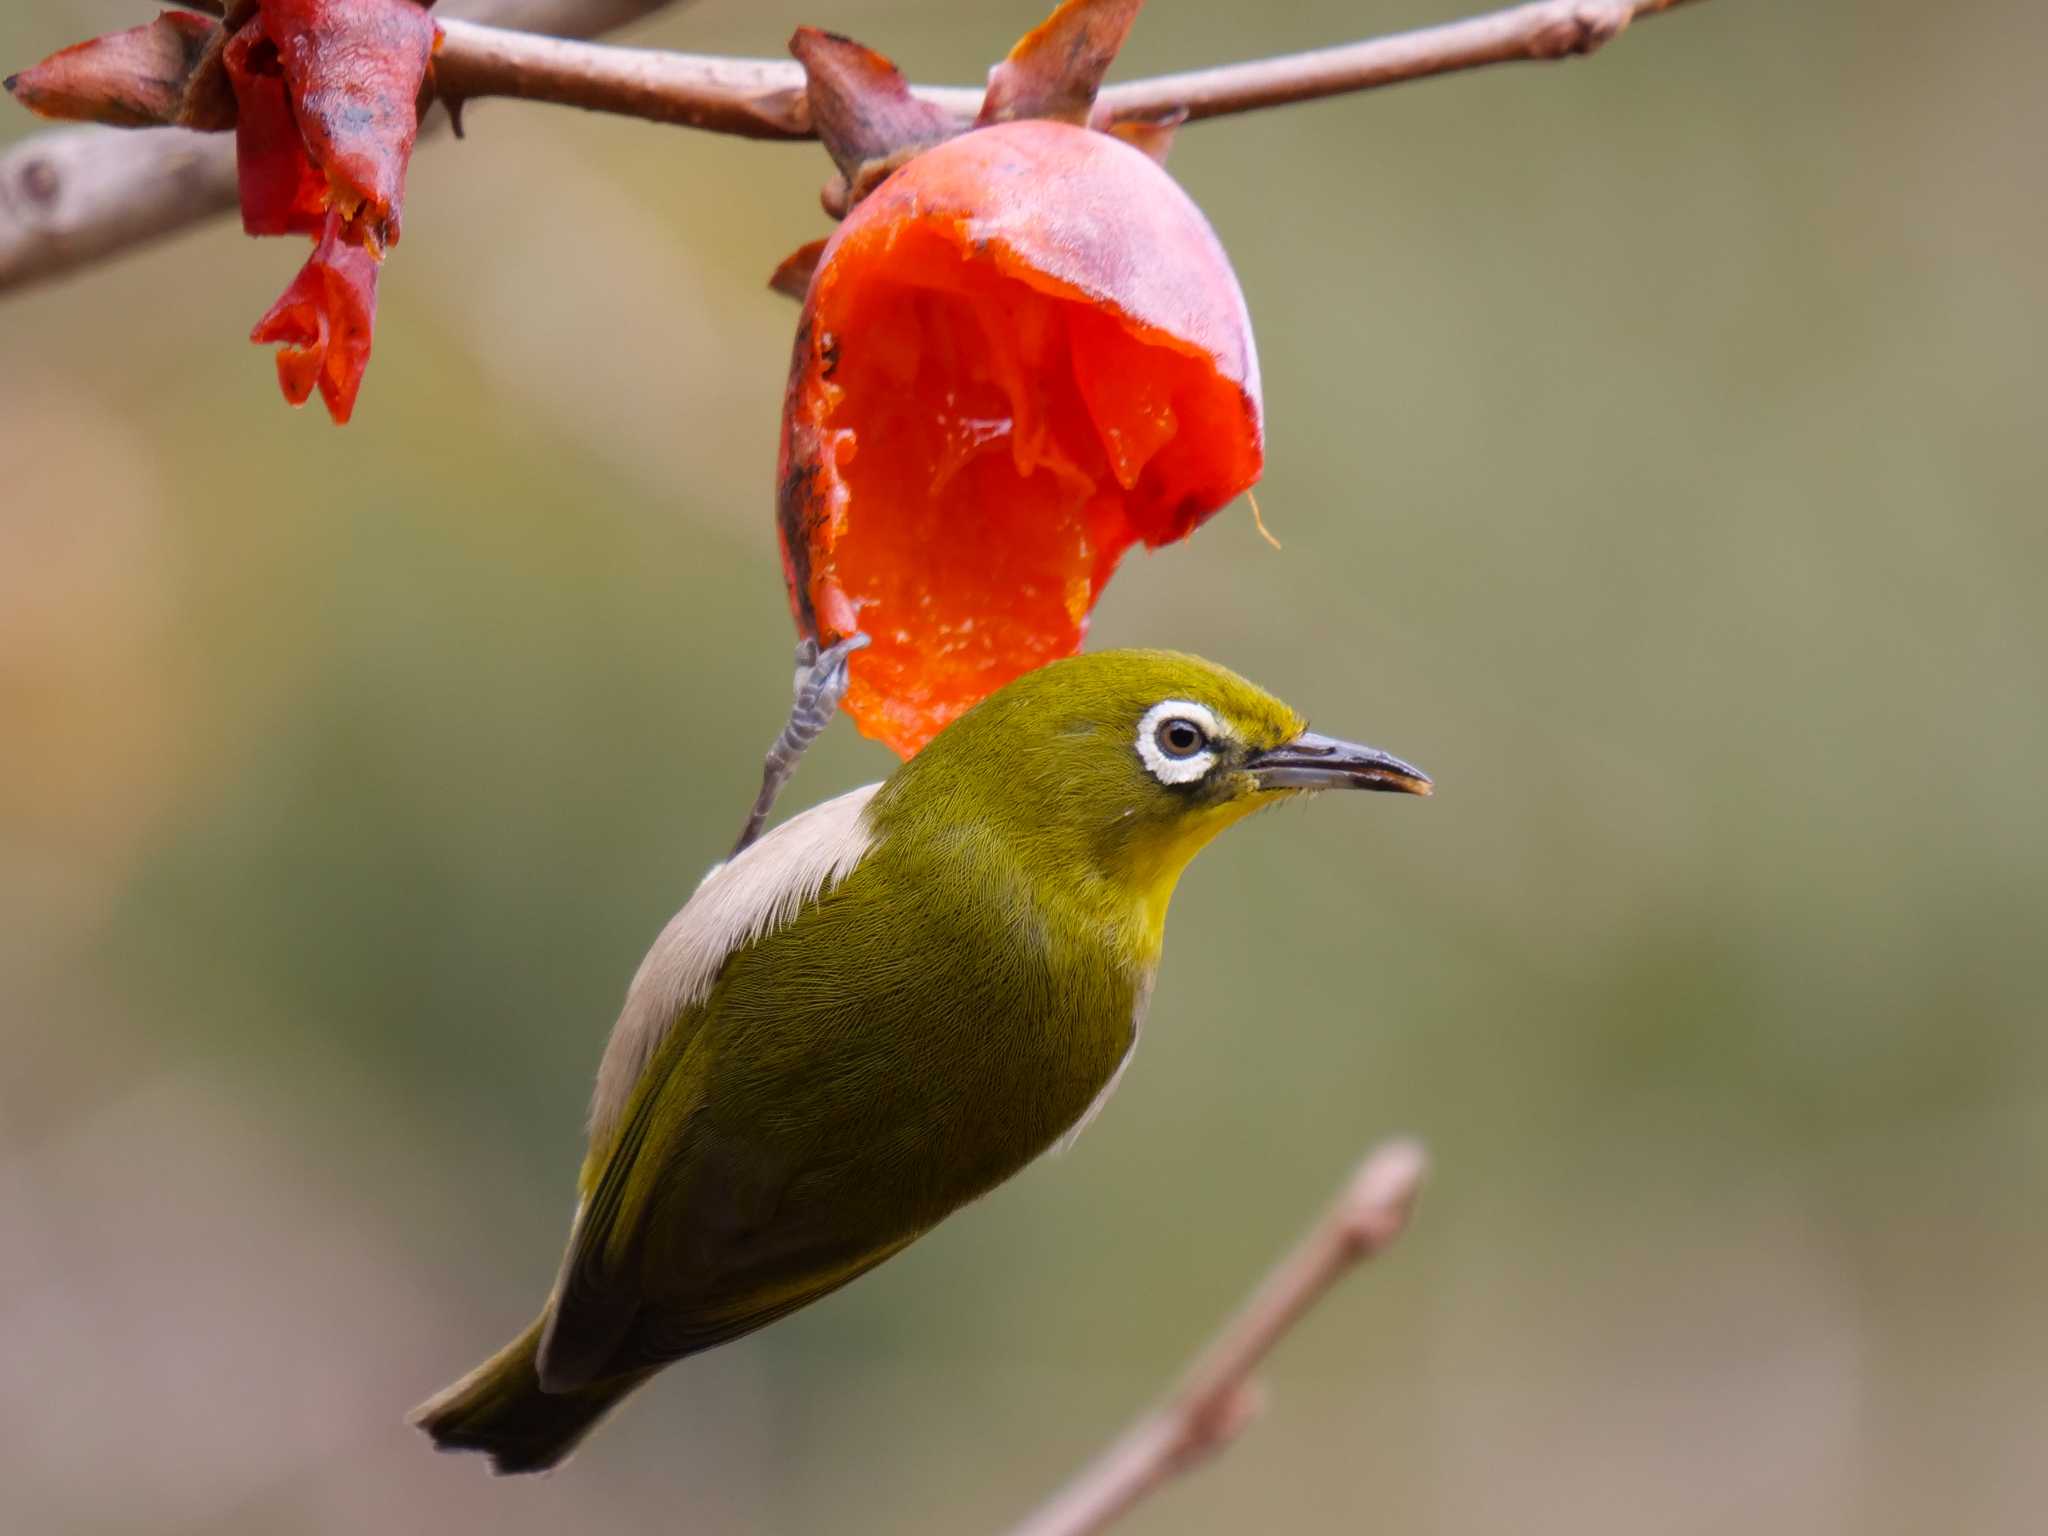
[764, 98]
[1544, 32]
[75, 196]
[1218, 1398]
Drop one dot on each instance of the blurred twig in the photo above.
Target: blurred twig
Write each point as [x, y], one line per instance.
[1218, 1397]
[764, 98]
[74, 196]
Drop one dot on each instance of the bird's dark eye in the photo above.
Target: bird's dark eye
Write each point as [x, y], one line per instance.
[1180, 737]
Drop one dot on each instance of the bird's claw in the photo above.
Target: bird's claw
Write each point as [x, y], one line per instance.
[821, 678]
[819, 685]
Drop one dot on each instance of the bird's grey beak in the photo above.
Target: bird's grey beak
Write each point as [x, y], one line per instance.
[1311, 761]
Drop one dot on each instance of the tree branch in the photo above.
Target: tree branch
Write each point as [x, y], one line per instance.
[764, 98]
[75, 196]
[1218, 1398]
[1544, 32]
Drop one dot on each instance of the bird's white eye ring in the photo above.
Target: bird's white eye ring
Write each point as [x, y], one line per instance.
[1180, 737]
[1177, 741]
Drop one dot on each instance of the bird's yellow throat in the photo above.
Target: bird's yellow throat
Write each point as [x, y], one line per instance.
[1157, 862]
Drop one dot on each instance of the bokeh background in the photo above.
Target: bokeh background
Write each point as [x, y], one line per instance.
[1657, 443]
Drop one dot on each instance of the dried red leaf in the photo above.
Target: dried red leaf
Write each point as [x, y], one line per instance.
[131, 79]
[322, 323]
[1151, 136]
[355, 69]
[324, 98]
[1023, 353]
[283, 192]
[793, 277]
[863, 109]
[1057, 67]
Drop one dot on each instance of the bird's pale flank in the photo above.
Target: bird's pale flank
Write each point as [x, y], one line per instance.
[880, 1011]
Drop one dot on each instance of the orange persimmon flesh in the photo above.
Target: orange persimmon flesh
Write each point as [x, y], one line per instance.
[990, 443]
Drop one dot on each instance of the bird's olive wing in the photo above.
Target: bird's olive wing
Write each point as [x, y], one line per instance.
[650, 1168]
[599, 1292]
[672, 1333]
[695, 1233]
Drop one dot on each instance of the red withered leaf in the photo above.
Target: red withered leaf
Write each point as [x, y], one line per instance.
[793, 277]
[324, 99]
[1057, 67]
[131, 79]
[321, 326]
[1153, 136]
[283, 192]
[355, 69]
[327, 95]
[863, 109]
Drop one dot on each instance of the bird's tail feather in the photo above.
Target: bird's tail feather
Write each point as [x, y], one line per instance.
[500, 1409]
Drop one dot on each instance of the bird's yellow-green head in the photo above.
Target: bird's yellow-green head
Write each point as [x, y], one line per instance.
[1119, 766]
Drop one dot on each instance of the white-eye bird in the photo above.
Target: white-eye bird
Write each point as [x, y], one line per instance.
[881, 1010]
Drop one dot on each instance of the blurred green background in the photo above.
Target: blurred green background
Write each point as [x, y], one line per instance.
[1657, 443]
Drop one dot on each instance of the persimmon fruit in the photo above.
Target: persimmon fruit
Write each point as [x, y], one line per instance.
[1022, 353]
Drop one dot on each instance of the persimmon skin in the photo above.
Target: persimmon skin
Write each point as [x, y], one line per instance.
[1030, 286]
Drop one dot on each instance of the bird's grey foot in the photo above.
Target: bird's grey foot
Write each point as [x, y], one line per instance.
[820, 685]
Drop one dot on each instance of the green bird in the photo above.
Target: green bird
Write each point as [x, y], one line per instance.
[880, 1011]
